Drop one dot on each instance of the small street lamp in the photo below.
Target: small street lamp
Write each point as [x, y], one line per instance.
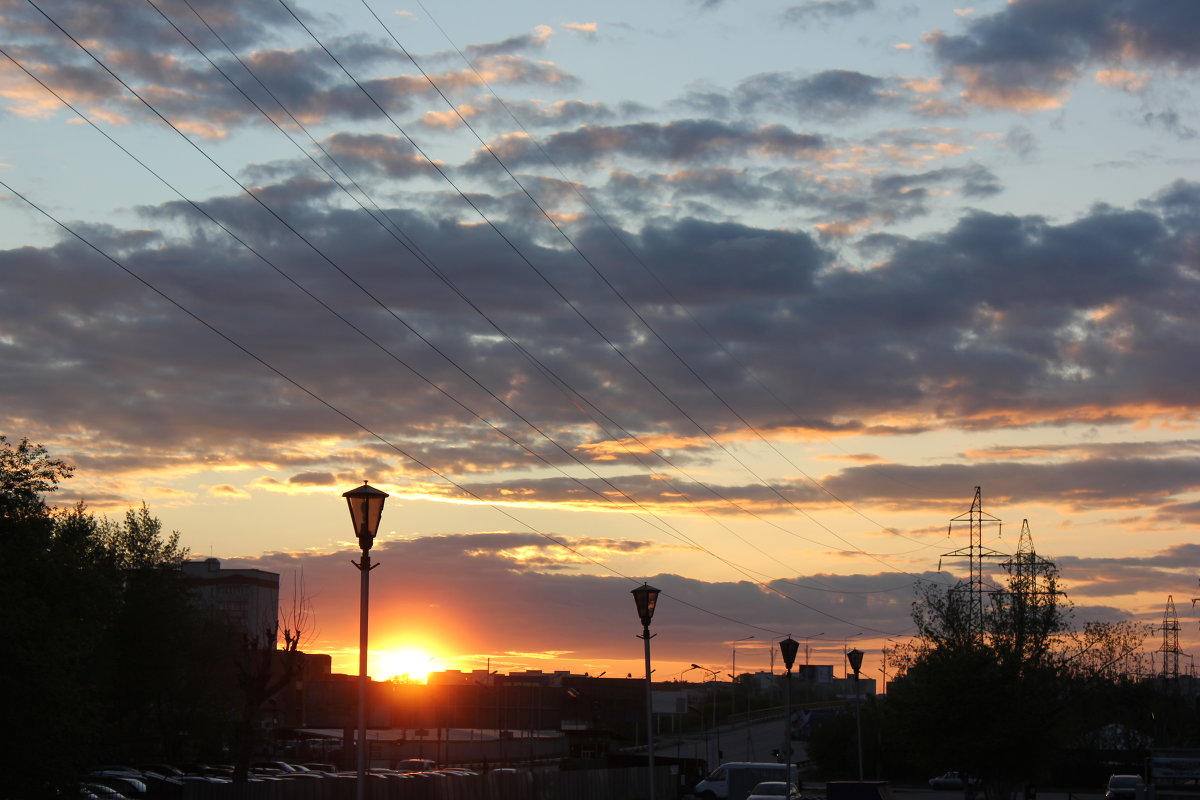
[788, 648]
[855, 658]
[646, 596]
[366, 508]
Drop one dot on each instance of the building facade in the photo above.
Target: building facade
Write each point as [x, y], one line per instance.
[248, 598]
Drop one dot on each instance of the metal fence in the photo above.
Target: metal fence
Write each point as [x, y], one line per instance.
[599, 784]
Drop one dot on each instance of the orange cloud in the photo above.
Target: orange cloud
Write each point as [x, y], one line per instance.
[984, 92]
[1123, 79]
[228, 490]
[449, 120]
[924, 85]
[644, 445]
[843, 228]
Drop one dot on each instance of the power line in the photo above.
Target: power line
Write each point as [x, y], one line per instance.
[244, 188]
[195, 316]
[573, 307]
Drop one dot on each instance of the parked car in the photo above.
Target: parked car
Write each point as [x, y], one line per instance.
[774, 790]
[950, 780]
[89, 790]
[1122, 787]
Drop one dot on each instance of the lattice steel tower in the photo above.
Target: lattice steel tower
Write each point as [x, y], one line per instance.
[1170, 641]
[1027, 567]
[975, 553]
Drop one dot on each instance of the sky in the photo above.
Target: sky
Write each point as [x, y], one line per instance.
[740, 299]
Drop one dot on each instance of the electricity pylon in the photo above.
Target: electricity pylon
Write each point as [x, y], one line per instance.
[975, 553]
[1170, 642]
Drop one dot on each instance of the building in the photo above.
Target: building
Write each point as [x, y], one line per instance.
[248, 598]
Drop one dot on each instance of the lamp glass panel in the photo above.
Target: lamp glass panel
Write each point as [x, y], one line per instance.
[788, 648]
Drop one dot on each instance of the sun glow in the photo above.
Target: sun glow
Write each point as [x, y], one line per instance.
[404, 663]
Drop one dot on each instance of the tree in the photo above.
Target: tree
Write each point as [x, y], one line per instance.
[98, 633]
[26, 473]
[1001, 705]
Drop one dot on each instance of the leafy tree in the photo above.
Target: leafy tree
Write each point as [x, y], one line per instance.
[1003, 705]
[99, 638]
[26, 473]
[138, 543]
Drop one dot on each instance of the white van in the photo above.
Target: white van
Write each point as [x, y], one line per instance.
[735, 779]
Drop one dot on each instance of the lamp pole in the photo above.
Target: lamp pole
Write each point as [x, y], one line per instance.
[855, 658]
[646, 596]
[712, 677]
[788, 648]
[733, 666]
[366, 507]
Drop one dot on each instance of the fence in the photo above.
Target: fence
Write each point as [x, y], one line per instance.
[597, 784]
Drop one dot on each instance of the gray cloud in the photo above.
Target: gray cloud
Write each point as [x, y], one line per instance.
[830, 95]
[999, 321]
[690, 140]
[491, 584]
[825, 11]
[1029, 53]
[154, 58]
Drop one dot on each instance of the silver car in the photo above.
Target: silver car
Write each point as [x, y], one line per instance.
[774, 790]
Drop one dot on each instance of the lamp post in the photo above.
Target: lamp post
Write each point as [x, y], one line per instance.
[712, 677]
[788, 648]
[366, 507]
[733, 691]
[646, 596]
[733, 666]
[855, 658]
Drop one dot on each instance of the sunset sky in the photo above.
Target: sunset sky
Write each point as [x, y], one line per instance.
[740, 299]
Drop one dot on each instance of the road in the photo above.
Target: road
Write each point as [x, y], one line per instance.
[739, 741]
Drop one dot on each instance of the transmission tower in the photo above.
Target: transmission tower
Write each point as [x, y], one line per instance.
[1170, 642]
[975, 553]
[1031, 573]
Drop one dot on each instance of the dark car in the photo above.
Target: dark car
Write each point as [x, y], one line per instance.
[950, 780]
[1122, 787]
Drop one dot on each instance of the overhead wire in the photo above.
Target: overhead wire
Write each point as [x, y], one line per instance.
[675, 300]
[405, 241]
[421, 257]
[554, 288]
[195, 316]
[241, 241]
[168, 122]
[639, 316]
[667, 526]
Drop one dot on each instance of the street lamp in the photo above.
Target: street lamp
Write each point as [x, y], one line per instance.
[733, 691]
[646, 596]
[712, 678]
[855, 658]
[788, 648]
[366, 508]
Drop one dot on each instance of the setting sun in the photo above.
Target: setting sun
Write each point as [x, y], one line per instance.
[412, 663]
